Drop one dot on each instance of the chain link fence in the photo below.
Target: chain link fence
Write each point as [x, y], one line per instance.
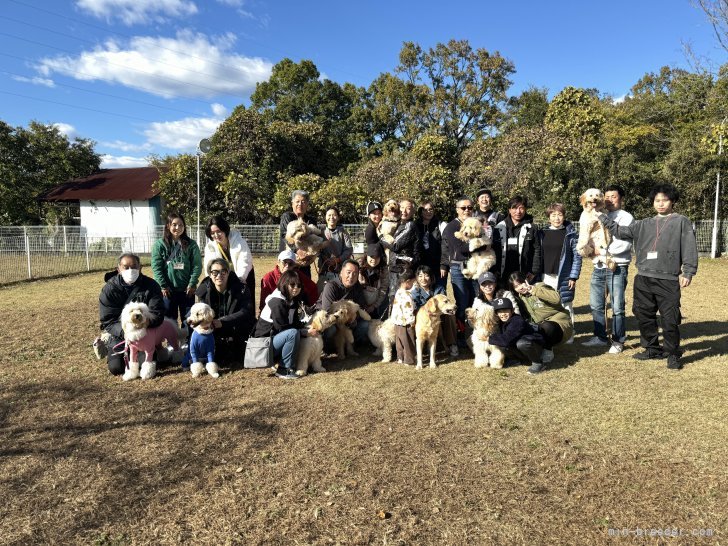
[34, 252]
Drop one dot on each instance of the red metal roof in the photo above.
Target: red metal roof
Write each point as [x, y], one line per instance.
[111, 184]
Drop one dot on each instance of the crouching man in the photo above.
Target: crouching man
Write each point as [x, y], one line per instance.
[128, 285]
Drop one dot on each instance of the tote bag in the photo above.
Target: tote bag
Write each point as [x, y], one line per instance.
[258, 353]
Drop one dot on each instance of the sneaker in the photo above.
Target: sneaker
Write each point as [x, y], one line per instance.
[616, 348]
[547, 355]
[673, 362]
[595, 341]
[454, 350]
[649, 355]
[287, 374]
[536, 368]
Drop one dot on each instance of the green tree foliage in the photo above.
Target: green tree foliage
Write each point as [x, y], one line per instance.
[33, 160]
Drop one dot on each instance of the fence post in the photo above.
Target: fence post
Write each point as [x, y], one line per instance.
[27, 251]
[106, 243]
[88, 261]
[65, 241]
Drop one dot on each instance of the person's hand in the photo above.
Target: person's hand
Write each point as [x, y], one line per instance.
[217, 323]
[166, 292]
[530, 277]
[443, 272]
[684, 281]
[313, 332]
[190, 291]
[571, 284]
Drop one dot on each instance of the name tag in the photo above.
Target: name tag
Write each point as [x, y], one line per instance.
[652, 255]
[178, 265]
[512, 241]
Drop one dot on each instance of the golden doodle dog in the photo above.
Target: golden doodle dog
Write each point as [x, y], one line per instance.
[346, 312]
[594, 238]
[305, 237]
[480, 245]
[427, 325]
[311, 348]
[390, 222]
[484, 322]
[382, 335]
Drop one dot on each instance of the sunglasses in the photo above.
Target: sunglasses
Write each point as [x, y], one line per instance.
[218, 272]
[426, 209]
[465, 208]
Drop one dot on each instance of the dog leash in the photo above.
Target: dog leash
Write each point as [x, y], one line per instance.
[115, 352]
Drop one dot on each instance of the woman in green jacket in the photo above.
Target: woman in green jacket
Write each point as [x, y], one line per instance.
[176, 264]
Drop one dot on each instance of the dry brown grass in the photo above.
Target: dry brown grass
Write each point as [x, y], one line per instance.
[366, 454]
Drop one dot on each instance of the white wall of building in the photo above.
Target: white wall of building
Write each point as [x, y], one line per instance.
[122, 218]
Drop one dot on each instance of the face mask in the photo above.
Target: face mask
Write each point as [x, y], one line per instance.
[130, 275]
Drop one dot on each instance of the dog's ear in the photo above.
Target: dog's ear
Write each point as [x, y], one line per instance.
[431, 305]
[147, 313]
[582, 199]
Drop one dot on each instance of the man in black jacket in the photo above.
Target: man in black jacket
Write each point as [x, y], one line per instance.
[515, 242]
[129, 285]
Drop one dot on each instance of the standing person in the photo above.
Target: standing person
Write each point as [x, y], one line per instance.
[286, 262]
[232, 302]
[542, 305]
[374, 278]
[428, 231]
[339, 250]
[557, 259]
[422, 291]
[279, 319]
[176, 265]
[605, 281]
[667, 260]
[455, 253]
[299, 211]
[515, 243]
[403, 316]
[405, 250]
[374, 215]
[229, 245]
[484, 209]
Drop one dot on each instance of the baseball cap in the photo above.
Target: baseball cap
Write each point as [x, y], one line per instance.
[287, 255]
[372, 206]
[481, 191]
[374, 250]
[501, 304]
[486, 277]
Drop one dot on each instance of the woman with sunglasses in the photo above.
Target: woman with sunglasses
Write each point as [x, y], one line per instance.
[229, 245]
[232, 302]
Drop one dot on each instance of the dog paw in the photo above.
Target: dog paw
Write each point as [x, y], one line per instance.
[149, 370]
[129, 376]
[433, 365]
[196, 369]
[418, 367]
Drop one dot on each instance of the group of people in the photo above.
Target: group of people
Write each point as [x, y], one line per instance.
[531, 286]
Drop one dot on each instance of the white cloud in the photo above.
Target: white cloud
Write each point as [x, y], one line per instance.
[620, 99]
[137, 11]
[66, 129]
[35, 81]
[184, 134]
[188, 65]
[122, 161]
[232, 3]
[126, 146]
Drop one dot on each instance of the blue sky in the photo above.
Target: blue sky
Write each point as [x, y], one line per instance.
[144, 77]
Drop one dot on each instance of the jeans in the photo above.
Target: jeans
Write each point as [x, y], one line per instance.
[616, 282]
[463, 289]
[285, 347]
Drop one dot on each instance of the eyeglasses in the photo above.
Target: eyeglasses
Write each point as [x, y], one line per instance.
[465, 208]
[426, 209]
[218, 272]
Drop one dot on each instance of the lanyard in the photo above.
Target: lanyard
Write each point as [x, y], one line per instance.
[659, 231]
[225, 257]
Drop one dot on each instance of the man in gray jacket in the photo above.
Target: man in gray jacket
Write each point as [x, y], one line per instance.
[667, 260]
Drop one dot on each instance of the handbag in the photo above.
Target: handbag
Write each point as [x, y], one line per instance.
[258, 352]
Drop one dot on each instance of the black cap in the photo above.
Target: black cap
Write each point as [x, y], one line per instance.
[374, 250]
[481, 191]
[372, 206]
[501, 304]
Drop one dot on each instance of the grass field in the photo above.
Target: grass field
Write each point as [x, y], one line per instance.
[369, 453]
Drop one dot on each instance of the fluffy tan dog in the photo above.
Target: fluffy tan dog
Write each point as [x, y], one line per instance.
[382, 336]
[311, 347]
[594, 238]
[346, 312]
[484, 322]
[306, 237]
[390, 221]
[480, 241]
[427, 325]
[202, 342]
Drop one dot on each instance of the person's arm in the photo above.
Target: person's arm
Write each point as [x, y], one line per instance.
[626, 233]
[575, 263]
[155, 303]
[159, 264]
[407, 237]
[279, 315]
[109, 313]
[241, 313]
[348, 248]
[546, 294]
[195, 264]
[514, 329]
[445, 253]
[266, 289]
[327, 296]
[688, 252]
[619, 246]
[244, 259]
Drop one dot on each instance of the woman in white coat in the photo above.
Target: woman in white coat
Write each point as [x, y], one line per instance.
[229, 245]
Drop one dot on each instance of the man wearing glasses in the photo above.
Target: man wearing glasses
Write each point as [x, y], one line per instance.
[515, 243]
[232, 303]
[455, 254]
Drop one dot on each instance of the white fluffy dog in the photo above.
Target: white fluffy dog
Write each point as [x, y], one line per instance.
[311, 347]
[427, 325]
[135, 319]
[346, 312]
[594, 238]
[382, 335]
[480, 245]
[306, 237]
[484, 322]
[202, 342]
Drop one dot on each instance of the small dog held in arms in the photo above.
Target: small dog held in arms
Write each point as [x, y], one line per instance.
[427, 325]
[480, 245]
[346, 312]
[484, 322]
[305, 237]
[311, 348]
[202, 342]
[382, 335]
[135, 319]
[390, 222]
[594, 238]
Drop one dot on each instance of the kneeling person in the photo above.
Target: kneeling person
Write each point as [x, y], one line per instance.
[516, 338]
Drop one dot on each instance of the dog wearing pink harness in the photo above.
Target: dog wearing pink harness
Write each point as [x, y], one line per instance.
[135, 319]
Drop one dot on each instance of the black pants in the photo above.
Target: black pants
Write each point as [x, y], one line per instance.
[115, 363]
[527, 349]
[551, 332]
[650, 296]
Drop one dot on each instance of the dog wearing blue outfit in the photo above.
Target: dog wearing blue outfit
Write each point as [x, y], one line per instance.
[202, 342]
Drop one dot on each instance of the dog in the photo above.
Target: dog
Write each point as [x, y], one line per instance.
[389, 224]
[480, 245]
[135, 319]
[305, 237]
[382, 335]
[346, 312]
[484, 322]
[202, 342]
[427, 325]
[593, 236]
[311, 348]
